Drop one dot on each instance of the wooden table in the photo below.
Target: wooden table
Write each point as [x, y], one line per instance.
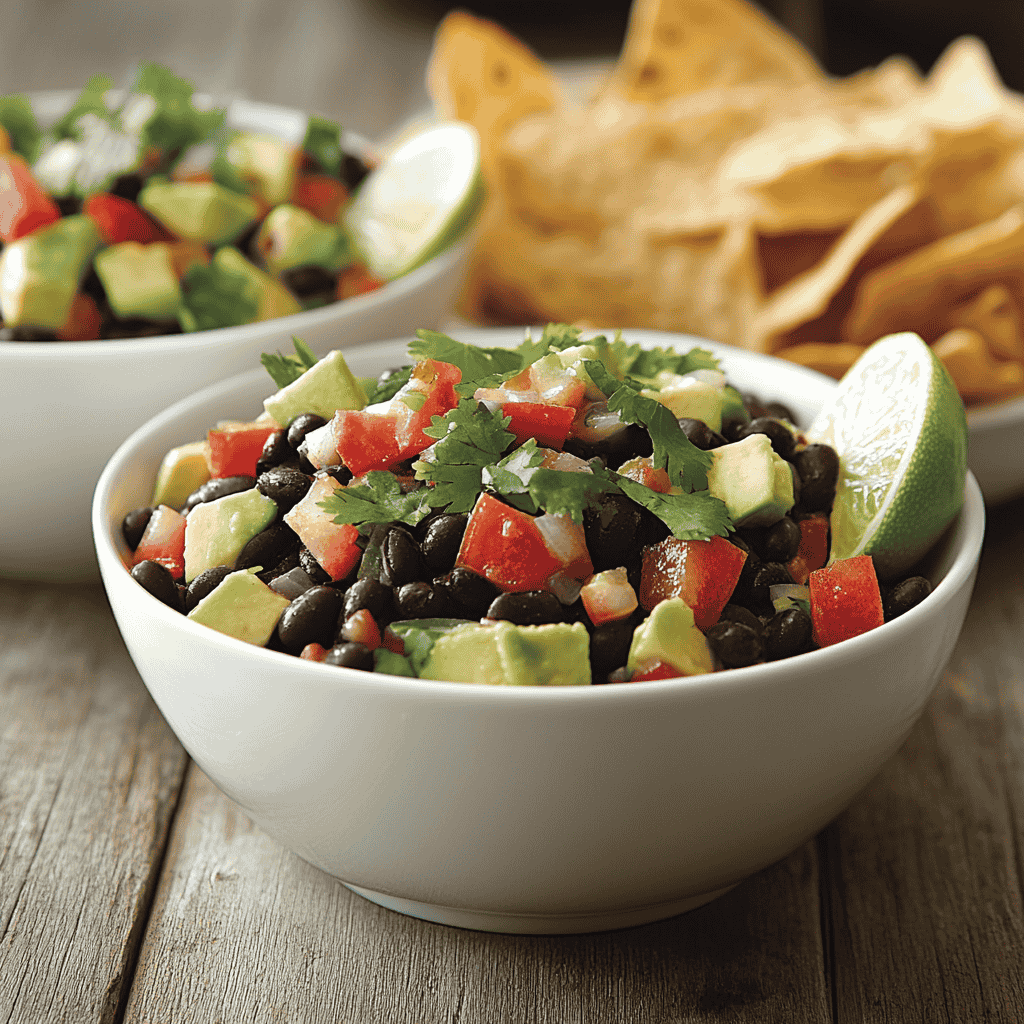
[132, 890]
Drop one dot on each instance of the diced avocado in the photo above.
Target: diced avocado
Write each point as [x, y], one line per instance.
[139, 280]
[181, 472]
[689, 397]
[268, 163]
[216, 531]
[292, 237]
[198, 211]
[732, 405]
[755, 483]
[242, 606]
[323, 389]
[40, 273]
[273, 299]
[505, 654]
[596, 348]
[669, 634]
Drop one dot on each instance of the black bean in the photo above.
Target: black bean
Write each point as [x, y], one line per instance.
[127, 186]
[756, 594]
[291, 582]
[269, 547]
[421, 600]
[531, 608]
[754, 406]
[317, 573]
[301, 425]
[353, 170]
[735, 644]
[312, 618]
[781, 412]
[68, 205]
[133, 526]
[442, 541]
[818, 466]
[341, 474]
[285, 486]
[905, 595]
[93, 287]
[26, 334]
[471, 592]
[220, 487]
[609, 647]
[374, 597]
[287, 563]
[737, 613]
[611, 529]
[781, 541]
[781, 436]
[787, 633]
[731, 426]
[157, 579]
[350, 655]
[402, 561]
[276, 452]
[700, 434]
[630, 441]
[139, 328]
[310, 282]
[205, 583]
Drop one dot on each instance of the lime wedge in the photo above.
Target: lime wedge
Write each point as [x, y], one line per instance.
[900, 430]
[418, 201]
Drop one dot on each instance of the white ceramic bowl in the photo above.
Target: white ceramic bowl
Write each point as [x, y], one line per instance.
[995, 450]
[531, 809]
[67, 405]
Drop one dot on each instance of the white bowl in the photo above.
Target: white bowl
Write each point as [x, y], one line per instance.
[68, 405]
[995, 449]
[531, 809]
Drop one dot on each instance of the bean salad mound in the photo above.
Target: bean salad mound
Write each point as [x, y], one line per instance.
[489, 515]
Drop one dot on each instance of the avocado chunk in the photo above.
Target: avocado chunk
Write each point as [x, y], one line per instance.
[40, 273]
[139, 280]
[267, 163]
[755, 483]
[216, 531]
[597, 349]
[505, 654]
[324, 389]
[669, 634]
[198, 211]
[292, 237]
[272, 298]
[242, 606]
[182, 471]
[689, 397]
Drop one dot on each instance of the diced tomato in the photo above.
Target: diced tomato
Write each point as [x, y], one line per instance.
[24, 205]
[84, 320]
[608, 597]
[509, 548]
[360, 628]
[366, 440]
[356, 280]
[641, 470]
[813, 551]
[164, 541]
[703, 573]
[235, 448]
[654, 670]
[549, 424]
[332, 544]
[320, 194]
[120, 220]
[313, 652]
[845, 600]
[392, 642]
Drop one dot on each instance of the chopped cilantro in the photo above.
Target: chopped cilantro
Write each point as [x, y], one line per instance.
[382, 390]
[420, 635]
[286, 369]
[636, 361]
[323, 144]
[560, 336]
[213, 296]
[90, 101]
[379, 500]
[18, 120]
[470, 438]
[530, 351]
[175, 123]
[474, 362]
[696, 516]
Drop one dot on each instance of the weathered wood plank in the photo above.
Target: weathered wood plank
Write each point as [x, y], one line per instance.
[89, 777]
[925, 867]
[243, 930]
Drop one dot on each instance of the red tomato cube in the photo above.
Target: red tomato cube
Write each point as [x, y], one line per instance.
[235, 448]
[845, 600]
[813, 551]
[163, 541]
[24, 205]
[332, 544]
[549, 424]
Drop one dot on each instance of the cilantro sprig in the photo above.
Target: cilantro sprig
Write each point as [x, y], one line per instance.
[287, 368]
[379, 500]
[215, 296]
[695, 516]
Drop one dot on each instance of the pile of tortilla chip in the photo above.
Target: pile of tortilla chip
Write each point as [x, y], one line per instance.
[719, 183]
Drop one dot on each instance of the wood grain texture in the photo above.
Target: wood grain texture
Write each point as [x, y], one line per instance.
[243, 930]
[89, 777]
[925, 868]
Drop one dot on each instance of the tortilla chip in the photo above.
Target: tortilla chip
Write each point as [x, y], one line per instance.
[977, 376]
[674, 47]
[831, 359]
[995, 315]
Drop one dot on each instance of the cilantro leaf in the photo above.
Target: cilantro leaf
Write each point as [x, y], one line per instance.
[381, 390]
[214, 296]
[470, 438]
[420, 635]
[286, 369]
[530, 351]
[18, 120]
[379, 500]
[223, 170]
[636, 361]
[323, 144]
[175, 124]
[473, 361]
[696, 516]
[90, 101]
[560, 336]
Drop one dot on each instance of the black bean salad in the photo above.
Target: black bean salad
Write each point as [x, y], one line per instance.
[571, 511]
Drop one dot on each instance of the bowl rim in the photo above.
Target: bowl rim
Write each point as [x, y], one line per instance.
[970, 519]
[294, 323]
[995, 414]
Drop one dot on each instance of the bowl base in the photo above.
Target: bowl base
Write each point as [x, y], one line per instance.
[538, 924]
